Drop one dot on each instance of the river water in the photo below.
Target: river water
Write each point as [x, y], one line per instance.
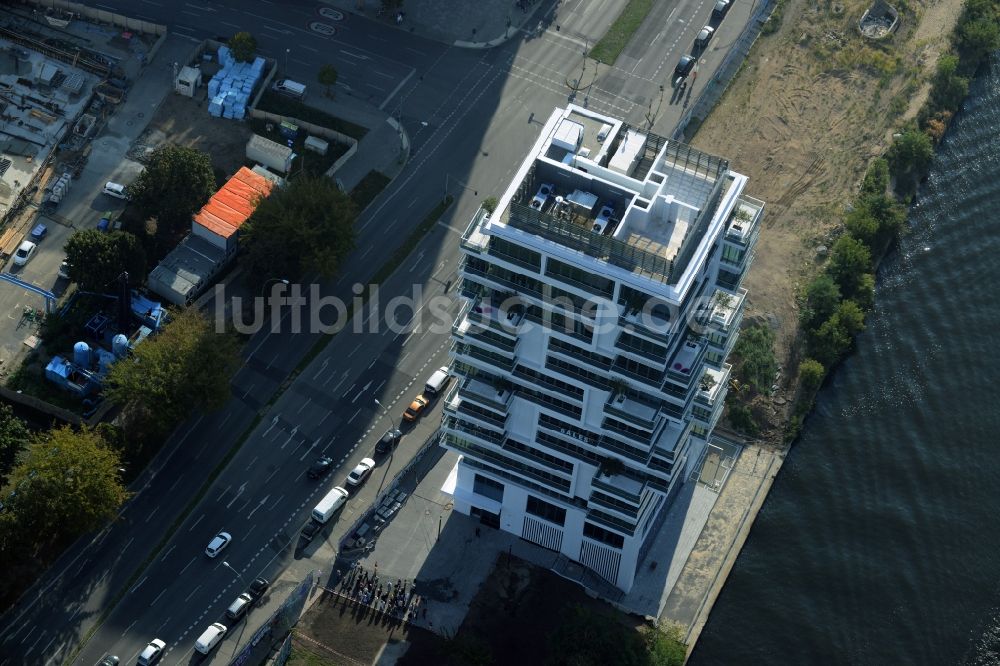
[880, 540]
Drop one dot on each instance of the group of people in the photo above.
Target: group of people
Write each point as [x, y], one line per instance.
[383, 596]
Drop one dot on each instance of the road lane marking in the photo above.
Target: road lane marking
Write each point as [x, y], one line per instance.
[231, 25]
[188, 597]
[129, 543]
[189, 564]
[354, 55]
[154, 601]
[138, 585]
[355, 415]
[304, 405]
[169, 550]
[151, 514]
[191, 529]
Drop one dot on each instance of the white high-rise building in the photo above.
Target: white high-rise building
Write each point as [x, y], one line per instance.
[603, 296]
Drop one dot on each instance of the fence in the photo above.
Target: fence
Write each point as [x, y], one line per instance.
[316, 130]
[726, 72]
[105, 16]
[278, 625]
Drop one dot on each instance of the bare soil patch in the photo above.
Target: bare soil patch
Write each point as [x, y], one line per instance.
[186, 122]
[813, 104]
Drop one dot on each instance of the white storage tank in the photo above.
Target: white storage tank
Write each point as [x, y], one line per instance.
[81, 354]
[119, 345]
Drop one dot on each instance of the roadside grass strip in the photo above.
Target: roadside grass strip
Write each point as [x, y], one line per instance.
[618, 35]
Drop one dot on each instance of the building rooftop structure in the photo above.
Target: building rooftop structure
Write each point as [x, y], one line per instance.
[234, 203]
[639, 203]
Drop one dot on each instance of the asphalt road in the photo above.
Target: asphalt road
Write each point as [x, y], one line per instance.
[468, 114]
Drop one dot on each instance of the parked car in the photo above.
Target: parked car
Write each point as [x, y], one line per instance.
[218, 544]
[39, 232]
[116, 190]
[389, 441]
[239, 607]
[704, 36]
[360, 472]
[320, 467]
[310, 530]
[109, 660]
[64, 270]
[257, 588]
[684, 67]
[415, 409]
[25, 251]
[721, 7]
[152, 653]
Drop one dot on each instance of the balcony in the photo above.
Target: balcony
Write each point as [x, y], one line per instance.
[639, 414]
[642, 354]
[458, 406]
[641, 440]
[649, 324]
[452, 424]
[473, 239]
[516, 261]
[621, 368]
[686, 361]
[670, 439]
[621, 486]
[486, 395]
[490, 312]
[621, 448]
[725, 310]
[744, 224]
[712, 384]
[480, 358]
[519, 284]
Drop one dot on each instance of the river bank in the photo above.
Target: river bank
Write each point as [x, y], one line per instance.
[813, 104]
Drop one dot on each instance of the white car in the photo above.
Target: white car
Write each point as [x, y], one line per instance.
[218, 544]
[25, 251]
[361, 472]
[704, 36]
[116, 190]
[64, 270]
[152, 653]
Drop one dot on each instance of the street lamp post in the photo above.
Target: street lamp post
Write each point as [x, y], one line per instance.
[287, 51]
[385, 411]
[263, 289]
[238, 574]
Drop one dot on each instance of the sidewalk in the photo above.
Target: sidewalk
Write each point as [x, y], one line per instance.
[476, 25]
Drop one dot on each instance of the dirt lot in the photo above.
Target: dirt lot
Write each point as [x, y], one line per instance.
[812, 105]
[520, 600]
[186, 121]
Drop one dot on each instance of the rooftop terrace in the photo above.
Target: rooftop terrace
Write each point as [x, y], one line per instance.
[619, 194]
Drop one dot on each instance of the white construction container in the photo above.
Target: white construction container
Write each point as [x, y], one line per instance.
[316, 144]
[271, 154]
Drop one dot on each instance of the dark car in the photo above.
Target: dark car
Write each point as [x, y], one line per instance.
[389, 441]
[320, 467]
[109, 660]
[310, 530]
[258, 588]
[721, 7]
[684, 67]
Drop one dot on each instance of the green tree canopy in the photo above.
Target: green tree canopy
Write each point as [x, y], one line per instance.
[244, 46]
[948, 89]
[303, 228]
[977, 38]
[756, 364]
[910, 154]
[876, 179]
[67, 484]
[862, 225]
[185, 368]
[850, 259]
[173, 186]
[327, 77]
[586, 638]
[96, 259]
[14, 437]
[811, 373]
[821, 299]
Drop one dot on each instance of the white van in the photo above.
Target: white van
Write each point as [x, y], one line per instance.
[437, 382]
[329, 505]
[116, 190]
[210, 638]
[291, 88]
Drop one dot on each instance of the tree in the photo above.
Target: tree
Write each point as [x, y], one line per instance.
[829, 343]
[96, 259]
[862, 225]
[811, 373]
[666, 647]
[910, 154]
[490, 204]
[978, 37]
[67, 484]
[303, 228]
[948, 89]
[176, 183]
[864, 295]
[849, 260]
[244, 46]
[586, 638]
[822, 297]
[850, 317]
[327, 77]
[876, 178]
[890, 216]
[755, 351]
[14, 436]
[185, 368]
